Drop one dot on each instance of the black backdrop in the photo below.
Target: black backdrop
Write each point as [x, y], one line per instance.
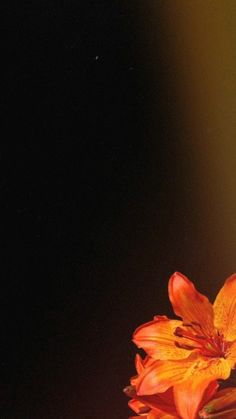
[94, 201]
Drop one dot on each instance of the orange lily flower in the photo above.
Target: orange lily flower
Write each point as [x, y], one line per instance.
[192, 352]
[171, 404]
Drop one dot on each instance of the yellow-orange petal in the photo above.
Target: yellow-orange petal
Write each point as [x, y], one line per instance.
[231, 354]
[222, 405]
[189, 304]
[160, 376]
[208, 368]
[157, 338]
[140, 364]
[225, 309]
[189, 396]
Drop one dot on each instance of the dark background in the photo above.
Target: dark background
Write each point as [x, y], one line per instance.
[97, 202]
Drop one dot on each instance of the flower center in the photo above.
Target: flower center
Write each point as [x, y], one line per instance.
[192, 336]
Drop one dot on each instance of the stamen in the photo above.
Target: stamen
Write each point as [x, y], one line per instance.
[210, 346]
[183, 346]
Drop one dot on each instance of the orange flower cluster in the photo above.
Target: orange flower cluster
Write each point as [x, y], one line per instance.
[184, 359]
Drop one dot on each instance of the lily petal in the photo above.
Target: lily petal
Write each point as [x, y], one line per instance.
[154, 414]
[141, 364]
[188, 303]
[208, 368]
[157, 338]
[162, 401]
[138, 407]
[189, 396]
[225, 309]
[210, 391]
[231, 354]
[161, 375]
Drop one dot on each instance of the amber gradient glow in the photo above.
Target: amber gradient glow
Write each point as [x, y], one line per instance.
[200, 50]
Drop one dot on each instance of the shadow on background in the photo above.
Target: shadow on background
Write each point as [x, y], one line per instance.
[123, 172]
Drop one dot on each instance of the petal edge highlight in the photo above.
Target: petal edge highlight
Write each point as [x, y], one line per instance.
[189, 304]
[225, 309]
